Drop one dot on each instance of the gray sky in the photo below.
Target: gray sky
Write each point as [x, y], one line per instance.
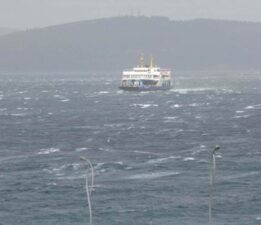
[24, 14]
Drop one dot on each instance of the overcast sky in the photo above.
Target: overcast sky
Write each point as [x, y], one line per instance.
[24, 14]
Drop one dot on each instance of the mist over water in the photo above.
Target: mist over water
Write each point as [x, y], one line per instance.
[150, 150]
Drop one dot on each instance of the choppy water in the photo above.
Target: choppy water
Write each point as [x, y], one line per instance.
[150, 150]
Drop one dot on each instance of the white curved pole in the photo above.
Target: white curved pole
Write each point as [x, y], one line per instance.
[212, 181]
[88, 191]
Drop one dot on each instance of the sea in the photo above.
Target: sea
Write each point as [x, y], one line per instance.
[150, 151]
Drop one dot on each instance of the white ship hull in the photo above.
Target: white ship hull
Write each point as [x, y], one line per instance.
[146, 78]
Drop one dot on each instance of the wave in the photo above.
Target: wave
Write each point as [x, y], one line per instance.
[175, 106]
[202, 148]
[243, 175]
[189, 159]
[144, 106]
[19, 114]
[253, 106]
[187, 90]
[145, 152]
[120, 92]
[170, 117]
[105, 150]
[65, 100]
[81, 149]
[159, 160]
[151, 175]
[108, 165]
[199, 104]
[102, 92]
[46, 151]
[63, 169]
[241, 117]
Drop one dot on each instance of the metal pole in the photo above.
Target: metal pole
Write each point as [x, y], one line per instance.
[212, 180]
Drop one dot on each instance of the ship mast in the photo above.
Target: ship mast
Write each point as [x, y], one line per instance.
[151, 61]
[141, 60]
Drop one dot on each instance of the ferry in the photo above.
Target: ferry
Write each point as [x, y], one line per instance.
[146, 77]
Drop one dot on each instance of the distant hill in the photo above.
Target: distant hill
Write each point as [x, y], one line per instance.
[4, 30]
[116, 43]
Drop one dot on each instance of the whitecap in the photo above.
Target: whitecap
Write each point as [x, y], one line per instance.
[189, 159]
[99, 165]
[151, 175]
[126, 210]
[239, 111]
[170, 117]
[159, 160]
[202, 148]
[144, 152]
[105, 150]
[21, 92]
[81, 149]
[187, 90]
[239, 117]
[46, 151]
[253, 106]
[144, 106]
[103, 171]
[65, 100]
[74, 166]
[258, 218]
[59, 174]
[176, 106]
[113, 125]
[197, 104]
[128, 168]
[103, 92]
[18, 114]
[57, 96]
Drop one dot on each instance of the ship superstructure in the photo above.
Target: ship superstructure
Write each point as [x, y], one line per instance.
[146, 77]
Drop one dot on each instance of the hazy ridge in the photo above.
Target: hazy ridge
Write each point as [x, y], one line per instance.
[116, 43]
[5, 30]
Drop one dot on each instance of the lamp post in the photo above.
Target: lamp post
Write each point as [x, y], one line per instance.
[89, 189]
[212, 180]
